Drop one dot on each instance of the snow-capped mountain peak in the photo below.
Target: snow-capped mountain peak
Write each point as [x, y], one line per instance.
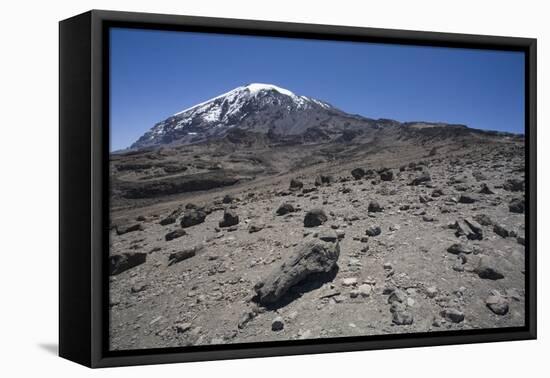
[256, 106]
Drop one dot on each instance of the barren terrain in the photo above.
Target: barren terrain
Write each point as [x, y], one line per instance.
[213, 243]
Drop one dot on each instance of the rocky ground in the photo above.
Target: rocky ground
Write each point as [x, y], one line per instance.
[399, 240]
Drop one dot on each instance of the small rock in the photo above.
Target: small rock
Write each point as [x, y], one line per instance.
[255, 227]
[402, 318]
[314, 218]
[487, 268]
[374, 207]
[183, 327]
[459, 248]
[192, 218]
[517, 205]
[501, 230]
[349, 281]
[175, 234]
[285, 208]
[121, 230]
[465, 198]
[230, 218]
[277, 324]
[296, 184]
[453, 315]
[364, 290]
[497, 303]
[431, 292]
[373, 231]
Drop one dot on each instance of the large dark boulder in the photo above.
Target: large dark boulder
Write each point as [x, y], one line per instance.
[192, 218]
[314, 257]
[314, 218]
[125, 261]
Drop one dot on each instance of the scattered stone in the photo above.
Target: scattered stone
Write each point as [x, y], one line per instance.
[176, 257]
[501, 230]
[373, 231]
[386, 175]
[358, 173]
[296, 184]
[125, 261]
[230, 218]
[397, 296]
[314, 218]
[255, 227]
[171, 218]
[374, 207]
[175, 234]
[192, 218]
[517, 205]
[453, 315]
[402, 318]
[485, 189]
[487, 268]
[459, 248]
[431, 292]
[364, 290]
[227, 199]
[497, 303]
[422, 178]
[328, 236]
[314, 257]
[321, 180]
[124, 229]
[469, 228]
[182, 327]
[514, 185]
[138, 288]
[483, 219]
[424, 198]
[352, 281]
[277, 324]
[285, 208]
[466, 198]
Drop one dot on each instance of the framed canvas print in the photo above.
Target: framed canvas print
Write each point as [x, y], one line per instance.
[234, 188]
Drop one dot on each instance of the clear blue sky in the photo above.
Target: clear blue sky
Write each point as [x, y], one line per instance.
[155, 74]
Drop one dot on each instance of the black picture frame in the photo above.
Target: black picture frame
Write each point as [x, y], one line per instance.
[83, 196]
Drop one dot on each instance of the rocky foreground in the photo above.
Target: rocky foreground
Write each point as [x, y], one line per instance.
[434, 242]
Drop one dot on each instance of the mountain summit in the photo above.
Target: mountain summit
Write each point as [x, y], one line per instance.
[254, 107]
